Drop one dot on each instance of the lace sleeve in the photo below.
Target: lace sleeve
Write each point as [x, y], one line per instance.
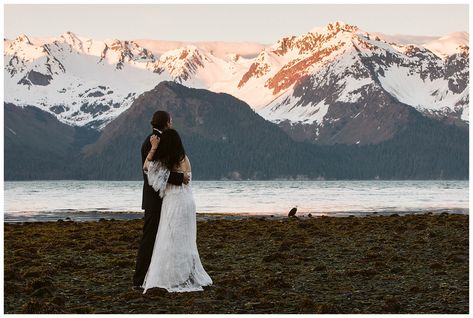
[158, 176]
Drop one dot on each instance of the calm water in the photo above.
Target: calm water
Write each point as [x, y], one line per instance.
[45, 200]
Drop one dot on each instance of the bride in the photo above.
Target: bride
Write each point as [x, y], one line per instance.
[175, 264]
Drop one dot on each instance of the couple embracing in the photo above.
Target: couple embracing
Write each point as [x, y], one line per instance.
[168, 256]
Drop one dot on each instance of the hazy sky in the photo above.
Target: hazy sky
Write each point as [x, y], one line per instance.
[225, 22]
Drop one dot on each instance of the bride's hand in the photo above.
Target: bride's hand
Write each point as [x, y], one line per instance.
[154, 141]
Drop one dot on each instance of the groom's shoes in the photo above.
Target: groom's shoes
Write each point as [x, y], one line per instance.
[137, 288]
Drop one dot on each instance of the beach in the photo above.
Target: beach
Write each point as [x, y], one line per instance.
[260, 264]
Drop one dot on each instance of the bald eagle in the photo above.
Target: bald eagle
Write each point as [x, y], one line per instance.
[292, 212]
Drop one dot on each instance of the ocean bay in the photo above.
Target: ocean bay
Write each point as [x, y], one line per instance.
[49, 200]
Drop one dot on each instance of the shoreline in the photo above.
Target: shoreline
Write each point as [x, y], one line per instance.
[83, 216]
[377, 264]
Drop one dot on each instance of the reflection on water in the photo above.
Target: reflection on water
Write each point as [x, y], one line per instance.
[36, 198]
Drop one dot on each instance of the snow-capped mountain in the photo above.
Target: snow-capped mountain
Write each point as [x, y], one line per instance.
[344, 68]
[448, 45]
[88, 82]
[317, 86]
[80, 80]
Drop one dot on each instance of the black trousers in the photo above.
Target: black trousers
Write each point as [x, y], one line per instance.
[145, 251]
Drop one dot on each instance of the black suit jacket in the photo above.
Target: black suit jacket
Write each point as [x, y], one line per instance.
[151, 199]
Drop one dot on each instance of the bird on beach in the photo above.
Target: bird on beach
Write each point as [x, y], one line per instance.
[293, 211]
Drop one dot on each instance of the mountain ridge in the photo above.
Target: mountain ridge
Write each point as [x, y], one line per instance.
[85, 82]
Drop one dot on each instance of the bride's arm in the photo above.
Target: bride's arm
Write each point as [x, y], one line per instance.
[158, 176]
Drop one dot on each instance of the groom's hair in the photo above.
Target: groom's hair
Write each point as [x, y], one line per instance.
[160, 119]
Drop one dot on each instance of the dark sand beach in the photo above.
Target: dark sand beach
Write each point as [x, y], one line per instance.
[375, 264]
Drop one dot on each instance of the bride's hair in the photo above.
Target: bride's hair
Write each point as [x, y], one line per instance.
[170, 150]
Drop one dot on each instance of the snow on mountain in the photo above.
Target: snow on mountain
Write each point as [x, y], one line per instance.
[441, 46]
[218, 49]
[299, 80]
[337, 74]
[278, 68]
[346, 60]
[81, 81]
[87, 82]
[417, 77]
[449, 44]
[404, 38]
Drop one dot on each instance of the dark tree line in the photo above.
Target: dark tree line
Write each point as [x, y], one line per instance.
[225, 139]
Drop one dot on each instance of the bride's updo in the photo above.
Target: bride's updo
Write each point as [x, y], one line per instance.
[170, 150]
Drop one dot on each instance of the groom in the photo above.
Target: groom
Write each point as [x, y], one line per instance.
[151, 201]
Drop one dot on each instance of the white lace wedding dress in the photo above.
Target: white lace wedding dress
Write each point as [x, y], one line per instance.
[175, 264]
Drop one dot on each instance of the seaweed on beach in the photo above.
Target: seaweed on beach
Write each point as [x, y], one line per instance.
[376, 264]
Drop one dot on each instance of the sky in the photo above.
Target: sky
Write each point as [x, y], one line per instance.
[263, 23]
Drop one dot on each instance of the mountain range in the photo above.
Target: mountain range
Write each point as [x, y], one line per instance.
[331, 92]
[316, 86]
